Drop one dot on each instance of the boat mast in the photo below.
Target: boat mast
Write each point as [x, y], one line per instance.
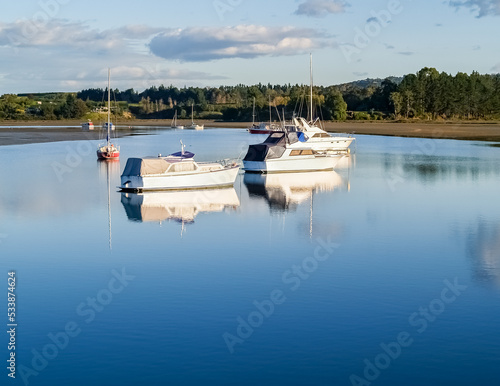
[270, 112]
[109, 105]
[311, 91]
[253, 112]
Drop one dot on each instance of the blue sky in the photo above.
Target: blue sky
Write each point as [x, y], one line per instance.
[67, 45]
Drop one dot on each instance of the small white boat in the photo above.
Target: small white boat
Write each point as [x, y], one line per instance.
[88, 125]
[174, 124]
[106, 124]
[177, 171]
[287, 152]
[194, 126]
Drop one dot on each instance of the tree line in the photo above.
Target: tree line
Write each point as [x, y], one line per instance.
[428, 94]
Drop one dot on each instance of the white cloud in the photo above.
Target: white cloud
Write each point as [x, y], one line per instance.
[57, 33]
[496, 69]
[482, 7]
[198, 44]
[69, 56]
[321, 8]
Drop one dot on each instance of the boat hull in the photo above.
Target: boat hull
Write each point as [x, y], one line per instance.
[335, 144]
[297, 164]
[108, 155]
[185, 181]
[259, 131]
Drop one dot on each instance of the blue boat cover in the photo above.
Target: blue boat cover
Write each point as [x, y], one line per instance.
[186, 154]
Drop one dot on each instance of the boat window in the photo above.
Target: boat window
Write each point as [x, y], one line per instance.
[274, 138]
[182, 167]
[295, 152]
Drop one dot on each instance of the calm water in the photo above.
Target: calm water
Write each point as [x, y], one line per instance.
[385, 272]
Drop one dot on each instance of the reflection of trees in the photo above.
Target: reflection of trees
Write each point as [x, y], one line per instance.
[439, 168]
[483, 248]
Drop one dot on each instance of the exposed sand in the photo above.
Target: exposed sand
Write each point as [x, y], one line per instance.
[13, 133]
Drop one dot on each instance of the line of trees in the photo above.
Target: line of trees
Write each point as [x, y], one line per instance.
[427, 94]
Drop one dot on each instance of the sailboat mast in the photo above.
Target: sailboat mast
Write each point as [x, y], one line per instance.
[270, 112]
[253, 112]
[311, 90]
[109, 104]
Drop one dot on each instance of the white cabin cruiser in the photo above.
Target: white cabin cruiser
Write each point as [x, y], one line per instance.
[177, 171]
[320, 140]
[287, 152]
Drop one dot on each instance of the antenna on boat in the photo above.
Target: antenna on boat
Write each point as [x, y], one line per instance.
[182, 147]
[311, 87]
[109, 105]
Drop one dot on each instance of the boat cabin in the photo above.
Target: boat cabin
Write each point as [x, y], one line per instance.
[274, 146]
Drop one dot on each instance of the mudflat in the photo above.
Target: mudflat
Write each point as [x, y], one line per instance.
[16, 133]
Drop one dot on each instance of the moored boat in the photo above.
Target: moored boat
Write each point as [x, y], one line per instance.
[178, 171]
[174, 124]
[287, 152]
[108, 150]
[88, 125]
[194, 126]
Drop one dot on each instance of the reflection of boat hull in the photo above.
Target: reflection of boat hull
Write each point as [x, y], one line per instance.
[181, 181]
[287, 190]
[293, 164]
[174, 205]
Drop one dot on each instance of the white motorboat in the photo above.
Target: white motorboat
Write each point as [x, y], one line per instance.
[320, 140]
[177, 171]
[287, 152]
[88, 125]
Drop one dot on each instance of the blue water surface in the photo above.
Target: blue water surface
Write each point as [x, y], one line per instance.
[384, 272]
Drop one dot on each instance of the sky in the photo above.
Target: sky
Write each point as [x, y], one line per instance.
[67, 45]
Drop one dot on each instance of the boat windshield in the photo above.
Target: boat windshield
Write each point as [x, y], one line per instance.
[274, 138]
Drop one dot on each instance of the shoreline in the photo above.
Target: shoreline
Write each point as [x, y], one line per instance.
[28, 132]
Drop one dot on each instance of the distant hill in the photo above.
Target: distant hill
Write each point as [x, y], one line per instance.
[370, 82]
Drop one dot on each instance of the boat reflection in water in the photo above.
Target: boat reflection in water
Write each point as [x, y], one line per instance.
[108, 169]
[284, 191]
[180, 206]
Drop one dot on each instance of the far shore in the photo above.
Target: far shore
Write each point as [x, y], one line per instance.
[26, 132]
